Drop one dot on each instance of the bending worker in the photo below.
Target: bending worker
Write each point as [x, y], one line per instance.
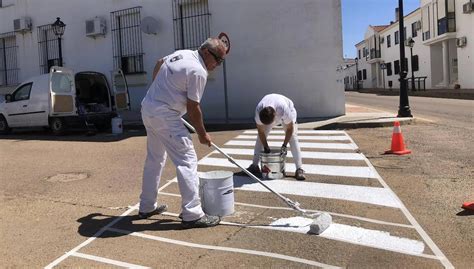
[178, 86]
[272, 110]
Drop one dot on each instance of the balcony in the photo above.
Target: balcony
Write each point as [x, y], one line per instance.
[447, 24]
[374, 56]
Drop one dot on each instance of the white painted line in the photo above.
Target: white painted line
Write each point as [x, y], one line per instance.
[227, 249]
[301, 131]
[443, 259]
[311, 169]
[108, 261]
[302, 144]
[313, 211]
[304, 154]
[300, 137]
[100, 232]
[355, 235]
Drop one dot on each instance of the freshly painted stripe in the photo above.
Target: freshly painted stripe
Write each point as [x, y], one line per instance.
[108, 261]
[300, 137]
[300, 131]
[313, 169]
[312, 211]
[227, 249]
[302, 144]
[304, 154]
[352, 234]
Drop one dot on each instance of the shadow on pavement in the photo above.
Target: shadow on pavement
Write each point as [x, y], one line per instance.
[73, 135]
[92, 223]
[465, 212]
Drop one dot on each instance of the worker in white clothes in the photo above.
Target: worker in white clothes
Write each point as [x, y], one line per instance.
[272, 110]
[178, 85]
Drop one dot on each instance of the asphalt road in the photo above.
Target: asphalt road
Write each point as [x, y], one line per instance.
[448, 112]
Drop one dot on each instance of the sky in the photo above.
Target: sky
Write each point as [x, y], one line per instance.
[357, 15]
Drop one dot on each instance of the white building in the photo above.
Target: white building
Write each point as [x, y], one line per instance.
[443, 49]
[287, 47]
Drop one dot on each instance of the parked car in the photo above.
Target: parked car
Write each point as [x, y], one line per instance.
[63, 99]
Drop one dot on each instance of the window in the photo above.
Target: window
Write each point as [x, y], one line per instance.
[389, 68]
[413, 30]
[364, 74]
[23, 93]
[389, 41]
[127, 40]
[48, 48]
[414, 63]
[363, 52]
[425, 22]
[191, 23]
[404, 33]
[60, 83]
[359, 54]
[8, 59]
[396, 65]
[397, 38]
[359, 75]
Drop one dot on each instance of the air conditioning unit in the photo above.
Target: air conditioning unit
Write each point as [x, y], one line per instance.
[418, 25]
[461, 42]
[95, 27]
[22, 24]
[468, 7]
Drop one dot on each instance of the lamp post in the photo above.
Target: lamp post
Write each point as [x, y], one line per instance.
[58, 29]
[404, 108]
[357, 72]
[411, 43]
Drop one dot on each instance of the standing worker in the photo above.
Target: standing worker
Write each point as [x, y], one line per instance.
[178, 84]
[272, 110]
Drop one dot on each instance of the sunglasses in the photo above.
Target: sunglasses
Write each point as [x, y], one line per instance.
[218, 59]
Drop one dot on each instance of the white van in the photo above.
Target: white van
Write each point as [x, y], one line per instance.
[63, 99]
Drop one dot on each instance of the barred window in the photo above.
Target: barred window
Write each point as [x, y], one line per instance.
[191, 23]
[8, 59]
[127, 40]
[48, 46]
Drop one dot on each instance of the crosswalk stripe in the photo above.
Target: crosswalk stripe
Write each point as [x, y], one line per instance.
[361, 194]
[314, 169]
[316, 132]
[304, 154]
[302, 145]
[300, 137]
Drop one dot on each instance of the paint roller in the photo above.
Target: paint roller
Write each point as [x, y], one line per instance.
[321, 220]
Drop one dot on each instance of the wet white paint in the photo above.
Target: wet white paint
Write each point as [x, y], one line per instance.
[300, 137]
[312, 169]
[349, 146]
[352, 234]
[304, 154]
[300, 131]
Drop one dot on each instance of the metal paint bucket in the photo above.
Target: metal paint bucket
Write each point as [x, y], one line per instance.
[216, 189]
[272, 164]
[117, 127]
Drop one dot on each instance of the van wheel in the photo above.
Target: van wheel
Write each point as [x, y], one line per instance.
[57, 126]
[4, 129]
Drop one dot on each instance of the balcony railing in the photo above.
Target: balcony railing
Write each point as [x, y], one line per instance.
[447, 24]
[375, 54]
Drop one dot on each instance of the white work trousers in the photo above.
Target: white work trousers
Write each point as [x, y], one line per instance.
[166, 135]
[294, 145]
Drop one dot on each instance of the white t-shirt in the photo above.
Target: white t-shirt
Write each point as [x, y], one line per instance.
[182, 75]
[285, 110]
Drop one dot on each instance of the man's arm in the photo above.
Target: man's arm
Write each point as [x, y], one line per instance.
[262, 137]
[195, 116]
[157, 68]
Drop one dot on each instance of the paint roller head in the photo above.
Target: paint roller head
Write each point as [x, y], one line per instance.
[321, 222]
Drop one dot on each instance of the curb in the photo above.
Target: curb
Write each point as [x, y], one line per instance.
[366, 124]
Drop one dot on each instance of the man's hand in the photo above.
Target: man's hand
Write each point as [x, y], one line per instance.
[266, 150]
[205, 139]
[283, 150]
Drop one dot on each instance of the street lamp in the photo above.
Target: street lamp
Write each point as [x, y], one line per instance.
[357, 72]
[411, 43]
[404, 108]
[58, 29]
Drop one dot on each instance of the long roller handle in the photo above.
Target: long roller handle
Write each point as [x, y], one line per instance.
[293, 204]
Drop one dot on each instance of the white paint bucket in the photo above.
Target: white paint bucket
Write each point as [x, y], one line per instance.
[117, 127]
[272, 164]
[216, 189]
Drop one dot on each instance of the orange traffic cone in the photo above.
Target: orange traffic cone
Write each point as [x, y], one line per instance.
[398, 146]
[468, 205]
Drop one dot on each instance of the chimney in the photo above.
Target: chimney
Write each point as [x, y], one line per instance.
[397, 14]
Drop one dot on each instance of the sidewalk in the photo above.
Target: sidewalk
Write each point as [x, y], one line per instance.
[467, 94]
[356, 117]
